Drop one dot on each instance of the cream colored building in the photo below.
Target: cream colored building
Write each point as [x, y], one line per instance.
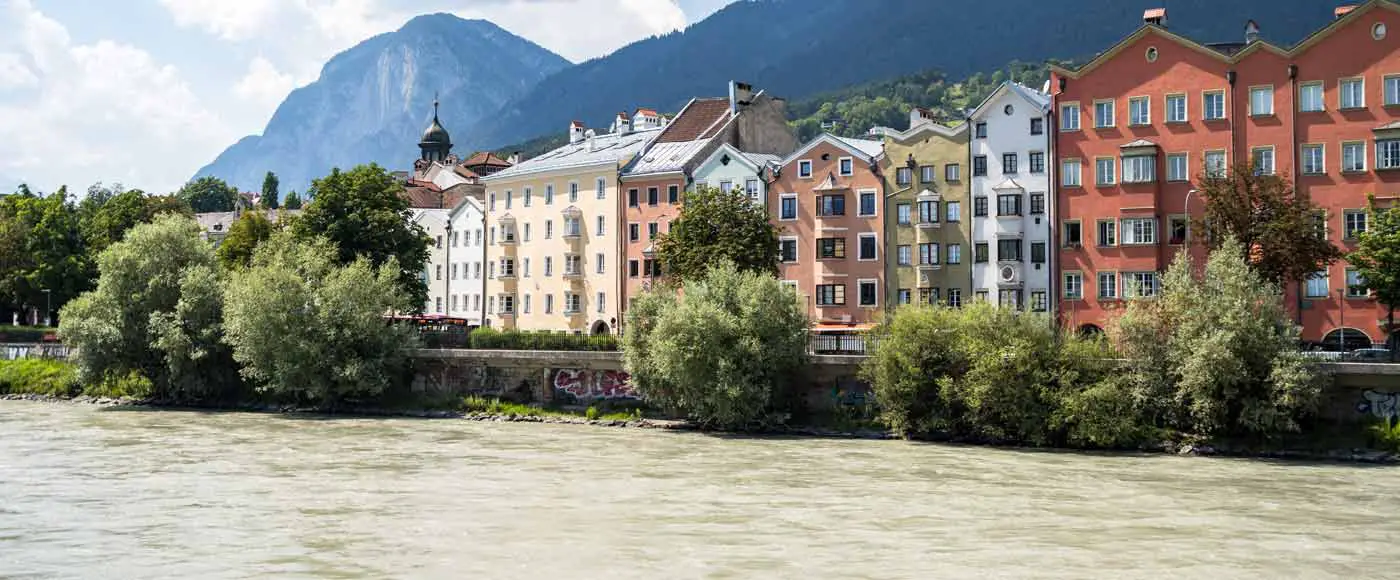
[554, 253]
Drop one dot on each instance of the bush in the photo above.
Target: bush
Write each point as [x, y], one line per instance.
[725, 352]
[38, 377]
[487, 338]
[908, 366]
[129, 386]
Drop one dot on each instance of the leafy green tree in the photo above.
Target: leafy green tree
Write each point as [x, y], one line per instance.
[209, 194]
[105, 223]
[719, 226]
[362, 213]
[307, 328]
[293, 201]
[156, 313]
[244, 236]
[914, 356]
[725, 352]
[1377, 257]
[1279, 232]
[45, 262]
[270, 195]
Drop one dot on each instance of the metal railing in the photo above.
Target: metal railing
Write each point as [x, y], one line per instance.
[47, 350]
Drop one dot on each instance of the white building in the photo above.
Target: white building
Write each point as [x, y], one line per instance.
[1012, 202]
[728, 168]
[466, 257]
[434, 223]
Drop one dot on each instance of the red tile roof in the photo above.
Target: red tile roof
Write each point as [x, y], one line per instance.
[651, 112]
[464, 172]
[697, 121]
[485, 158]
[1154, 13]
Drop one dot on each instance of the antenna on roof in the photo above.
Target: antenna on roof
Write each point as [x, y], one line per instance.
[435, 105]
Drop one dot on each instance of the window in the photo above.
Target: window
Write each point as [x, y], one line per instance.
[831, 294]
[527, 232]
[952, 172]
[573, 191]
[454, 303]
[981, 130]
[954, 210]
[1353, 156]
[903, 176]
[955, 298]
[1069, 117]
[1356, 287]
[1008, 250]
[491, 201]
[928, 254]
[1039, 302]
[928, 212]
[572, 302]
[573, 227]
[1108, 233]
[831, 205]
[1317, 285]
[866, 249]
[1009, 204]
[1310, 97]
[787, 207]
[867, 203]
[1139, 111]
[831, 248]
[1261, 101]
[979, 165]
[548, 229]
[1103, 171]
[1037, 126]
[1213, 105]
[1070, 172]
[1037, 252]
[845, 166]
[1037, 203]
[549, 304]
[1179, 227]
[573, 265]
[1352, 93]
[438, 269]
[525, 267]
[954, 254]
[1140, 169]
[979, 206]
[632, 268]
[1388, 154]
[653, 195]
[454, 271]
[750, 189]
[905, 254]
[1312, 159]
[926, 174]
[1392, 90]
[548, 266]
[652, 229]
[601, 186]
[1139, 231]
[980, 252]
[904, 295]
[507, 304]
[1176, 167]
[1140, 284]
[651, 268]
[1353, 224]
[634, 232]
[804, 168]
[904, 214]
[1176, 108]
[1215, 163]
[726, 185]
[1103, 114]
[1263, 160]
[632, 200]
[1108, 285]
[438, 242]
[980, 296]
[869, 290]
[549, 194]
[1008, 163]
[1009, 299]
[1037, 161]
[509, 195]
[1074, 286]
[599, 263]
[1073, 234]
[602, 302]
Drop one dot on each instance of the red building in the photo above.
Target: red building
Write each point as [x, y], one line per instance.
[1138, 125]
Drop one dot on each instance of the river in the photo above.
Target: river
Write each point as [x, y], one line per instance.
[87, 492]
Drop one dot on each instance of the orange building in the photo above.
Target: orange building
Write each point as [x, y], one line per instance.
[829, 200]
[1138, 125]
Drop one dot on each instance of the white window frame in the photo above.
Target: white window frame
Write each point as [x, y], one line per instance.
[1069, 121]
[841, 166]
[601, 184]
[1224, 167]
[526, 195]
[1072, 176]
[1135, 231]
[1130, 279]
[1112, 114]
[1254, 158]
[602, 303]
[1321, 102]
[1382, 147]
[876, 245]
[1261, 90]
[1171, 111]
[1320, 276]
[1139, 169]
[1112, 165]
[1342, 93]
[1347, 232]
[1390, 89]
[860, 295]
[1352, 292]
[1304, 159]
[1098, 232]
[600, 263]
[1360, 157]
[1099, 286]
[1206, 97]
[1078, 277]
[796, 249]
[573, 192]
[876, 209]
[801, 164]
[796, 209]
[1145, 103]
[1185, 159]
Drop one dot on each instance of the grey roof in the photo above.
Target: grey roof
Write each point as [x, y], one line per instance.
[221, 221]
[761, 159]
[866, 146]
[666, 157]
[608, 148]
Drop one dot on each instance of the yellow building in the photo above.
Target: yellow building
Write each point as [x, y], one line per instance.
[928, 254]
[554, 240]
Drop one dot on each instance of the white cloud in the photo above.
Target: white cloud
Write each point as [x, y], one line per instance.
[229, 19]
[264, 84]
[103, 111]
[14, 73]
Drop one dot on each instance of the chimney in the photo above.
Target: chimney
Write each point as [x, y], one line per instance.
[514, 158]
[575, 132]
[1251, 32]
[588, 135]
[1155, 17]
[622, 125]
[740, 94]
[1343, 11]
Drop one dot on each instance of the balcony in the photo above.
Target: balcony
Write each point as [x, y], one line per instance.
[934, 267]
[928, 225]
[573, 273]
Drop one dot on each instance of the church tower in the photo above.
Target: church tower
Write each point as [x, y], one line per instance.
[435, 144]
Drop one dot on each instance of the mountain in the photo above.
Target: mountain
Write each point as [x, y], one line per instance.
[796, 48]
[372, 102]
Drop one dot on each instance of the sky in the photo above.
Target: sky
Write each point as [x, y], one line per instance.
[145, 92]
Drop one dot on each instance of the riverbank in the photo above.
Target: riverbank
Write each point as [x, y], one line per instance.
[580, 418]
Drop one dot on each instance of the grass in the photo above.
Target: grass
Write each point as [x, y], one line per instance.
[474, 404]
[1385, 436]
[38, 377]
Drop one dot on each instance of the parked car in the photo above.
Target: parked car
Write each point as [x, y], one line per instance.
[1370, 355]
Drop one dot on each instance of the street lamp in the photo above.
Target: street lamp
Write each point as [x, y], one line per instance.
[1186, 205]
[48, 306]
[1342, 332]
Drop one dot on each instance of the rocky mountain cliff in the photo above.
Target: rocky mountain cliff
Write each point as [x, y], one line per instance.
[372, 101]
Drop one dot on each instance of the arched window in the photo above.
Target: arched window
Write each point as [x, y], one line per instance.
[1345, 340]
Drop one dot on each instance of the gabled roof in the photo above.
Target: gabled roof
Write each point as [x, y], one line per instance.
[1228, 53]
[700, 119]
[927, 125]
[468, 202]
[1031, 96]
[754, 161]
[609, 148]
[863, 148]
[485, 158]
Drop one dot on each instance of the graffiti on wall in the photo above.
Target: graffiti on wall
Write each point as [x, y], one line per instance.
[1380, 405]
[582, 385]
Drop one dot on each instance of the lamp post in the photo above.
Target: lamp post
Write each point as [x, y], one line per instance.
[48, 306]
[1342, 332]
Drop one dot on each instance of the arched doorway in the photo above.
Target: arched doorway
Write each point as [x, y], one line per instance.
[1345, 340]
[1090, 331]
[599, 328]
[1393, 342]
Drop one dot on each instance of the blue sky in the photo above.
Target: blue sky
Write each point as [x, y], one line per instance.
[144, 92]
